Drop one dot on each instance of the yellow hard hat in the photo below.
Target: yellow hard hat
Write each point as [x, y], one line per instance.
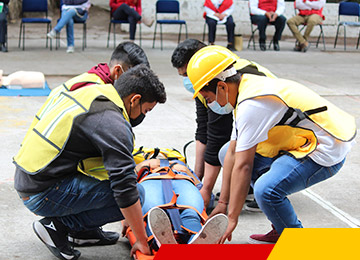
[207, 63]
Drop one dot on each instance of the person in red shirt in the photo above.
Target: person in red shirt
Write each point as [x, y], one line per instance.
[219, 12]
[263, 12]
[129, 10]
[310, 12]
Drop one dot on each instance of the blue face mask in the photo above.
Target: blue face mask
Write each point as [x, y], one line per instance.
[216, 108]
[188, 85]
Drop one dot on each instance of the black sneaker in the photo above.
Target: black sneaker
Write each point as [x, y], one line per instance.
[252, 206]
[231, 47]
[262, 45]
[94, 237]
[54, 235]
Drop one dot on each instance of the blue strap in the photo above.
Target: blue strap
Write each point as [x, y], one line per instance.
[168, 195]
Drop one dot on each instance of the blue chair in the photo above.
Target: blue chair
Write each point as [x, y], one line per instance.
[114, 22]
[348, 9]
[168, 7]
[84, 45]
[31, 6]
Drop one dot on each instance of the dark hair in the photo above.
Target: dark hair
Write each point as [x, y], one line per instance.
[130, 54]
[141, 80]
[184, 51]
[212, 85]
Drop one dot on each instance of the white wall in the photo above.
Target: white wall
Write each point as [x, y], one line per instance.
[192, 12]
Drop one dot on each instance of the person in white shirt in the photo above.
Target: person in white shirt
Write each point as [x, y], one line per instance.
[309, 13]
[219, 12]
[264, 12]
[285, 138]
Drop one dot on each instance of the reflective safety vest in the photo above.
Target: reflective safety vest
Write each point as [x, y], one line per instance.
[48, 135]
[85, 77]
[303, 103]
[239, 65]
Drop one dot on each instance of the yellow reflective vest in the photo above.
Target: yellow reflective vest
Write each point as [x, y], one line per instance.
[48, 135]
[305, 103]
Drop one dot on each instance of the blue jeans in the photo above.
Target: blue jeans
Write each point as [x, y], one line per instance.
[274, 179]
[79, 202]
[188, 195]
[67, 18]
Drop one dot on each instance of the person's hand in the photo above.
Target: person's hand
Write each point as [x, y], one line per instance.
[143, 247]
[268, 15]
[220, 208]
[135, 2]
[222, 16]
[273, 17]
[228, 233]
[125, 226]
[206, 195]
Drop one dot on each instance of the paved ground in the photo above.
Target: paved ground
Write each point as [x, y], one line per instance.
[334, 74]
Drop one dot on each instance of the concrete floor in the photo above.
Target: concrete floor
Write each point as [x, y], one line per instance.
[334, 74]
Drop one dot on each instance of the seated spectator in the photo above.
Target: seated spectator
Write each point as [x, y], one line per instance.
[310, 13]
[263, 12]
[129, 10]
[188, 199]
[3, 25]
[71, 10]
[219, 12]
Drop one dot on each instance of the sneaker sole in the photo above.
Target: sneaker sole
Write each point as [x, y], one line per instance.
[212, 231]
[160, 227]
[44, 236]
[254, 241]
[250, 209]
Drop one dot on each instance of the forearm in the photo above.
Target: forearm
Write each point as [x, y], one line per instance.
[199, 159]
[133, 216]
[210, 176]
[240, 183]
[316, 5]
[227, 171]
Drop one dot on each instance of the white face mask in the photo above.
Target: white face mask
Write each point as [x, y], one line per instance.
[216, 108]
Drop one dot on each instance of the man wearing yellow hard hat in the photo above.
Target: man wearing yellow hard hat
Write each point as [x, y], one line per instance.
[213, 130]
[285, 136]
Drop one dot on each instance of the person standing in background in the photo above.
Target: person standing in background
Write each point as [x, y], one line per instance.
[3, 24]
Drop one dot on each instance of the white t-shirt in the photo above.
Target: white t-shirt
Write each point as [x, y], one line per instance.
[255, 117]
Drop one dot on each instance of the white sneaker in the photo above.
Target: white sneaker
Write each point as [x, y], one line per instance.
[212, 231]
[70, 49]
[147, 21]
[52, 34]
[160, 226]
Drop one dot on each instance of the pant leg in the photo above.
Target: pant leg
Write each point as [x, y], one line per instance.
[293, 24]
[286, 176]
[212, 28]
[261, 21]
[279, 27]
[189, 195]
[70, 32]
[3, 25]
[66, 17]
[311, 21]
[79, 202]
[125, 12]
[230, 28]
